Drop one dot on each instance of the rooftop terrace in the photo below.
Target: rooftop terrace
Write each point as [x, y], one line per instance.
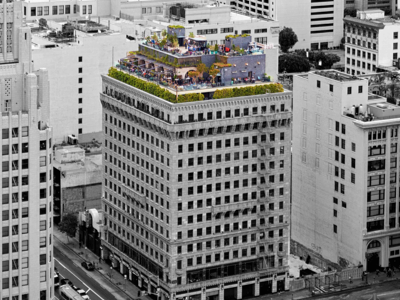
[336, 75]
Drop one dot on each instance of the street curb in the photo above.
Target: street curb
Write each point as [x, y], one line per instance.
[358, 288]
[129, 297]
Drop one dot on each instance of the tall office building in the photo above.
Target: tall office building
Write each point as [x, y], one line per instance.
[345, 205]
[26, 252]
[196, 194]
[318, 24]
[389, 6]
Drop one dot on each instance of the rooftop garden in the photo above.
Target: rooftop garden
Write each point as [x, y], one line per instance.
[157, 90]
[153, 88]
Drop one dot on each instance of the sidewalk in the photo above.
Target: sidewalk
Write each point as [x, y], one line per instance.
[344, 285]
[121, 288]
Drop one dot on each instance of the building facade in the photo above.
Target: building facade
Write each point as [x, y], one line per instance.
[372, 43]
[318, 24]
[345, 204]
[82, 59]
[196, 194]
[77, 179]
[209, 20]
[27, 262]
[389, 6]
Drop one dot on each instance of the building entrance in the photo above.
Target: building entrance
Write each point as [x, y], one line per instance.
[372, 261]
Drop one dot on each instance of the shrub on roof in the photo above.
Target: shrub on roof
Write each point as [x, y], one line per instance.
[248, 91]
[153, 88]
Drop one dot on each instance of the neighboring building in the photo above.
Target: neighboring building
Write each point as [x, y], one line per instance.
[197, 194]
[318, 24]
[27, 262]
[389, 6]
[213, 22]
[372, 43]
[56, 10]
[75, 61]
[77, 179]
[345, 200]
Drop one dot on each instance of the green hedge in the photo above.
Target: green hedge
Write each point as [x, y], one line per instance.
[176, 26]
[153, 88]
[248, 91]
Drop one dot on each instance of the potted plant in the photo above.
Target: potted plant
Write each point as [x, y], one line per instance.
[269, 78]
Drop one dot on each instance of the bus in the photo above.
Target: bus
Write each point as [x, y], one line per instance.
[68, 293]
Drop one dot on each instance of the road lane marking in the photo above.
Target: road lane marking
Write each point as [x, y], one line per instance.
[88, 290]
[79, 279]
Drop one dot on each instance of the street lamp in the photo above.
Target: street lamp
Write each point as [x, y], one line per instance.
[111, 274]
[125, 282]
[86, 254]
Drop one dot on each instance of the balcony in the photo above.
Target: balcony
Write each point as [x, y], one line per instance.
[232, 207]
[264, 144]
[264, 186]
[264, 199]
[132, 195]
[264, 171]
[263, 158]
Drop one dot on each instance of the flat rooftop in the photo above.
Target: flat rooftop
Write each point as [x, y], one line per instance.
[336, 75]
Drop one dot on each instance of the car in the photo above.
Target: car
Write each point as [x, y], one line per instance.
[81, 292]
[65, 281]
[87, 265]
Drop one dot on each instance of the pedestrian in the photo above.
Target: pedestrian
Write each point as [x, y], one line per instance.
[350, 279]
[377, 272]
[362, 276]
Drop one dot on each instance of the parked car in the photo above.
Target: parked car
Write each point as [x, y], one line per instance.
[87, 265]
[81, 292]
[66, 281]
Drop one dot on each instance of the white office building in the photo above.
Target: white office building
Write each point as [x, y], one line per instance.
[345, 199]
[27, 250]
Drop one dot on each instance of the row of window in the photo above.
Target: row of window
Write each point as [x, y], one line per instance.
[358, 42]
[24, 228]
[364, 32]
[59, 10]
[139, 133]
[227, 172]
[230, 142]
[360, 53]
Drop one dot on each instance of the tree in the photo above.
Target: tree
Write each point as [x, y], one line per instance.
[293, 63]
[164, 33]
[191, 34]
[154, 37]
[43, 22]
[193, 74]
[352, 12]
[201, 68]
[327, 60]
[68, 224]
[287, 39]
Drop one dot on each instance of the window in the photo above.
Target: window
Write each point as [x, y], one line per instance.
[46, 10]
[335, 228]
[42, 225]
[318, 83]
[55, 10]
[349, 90]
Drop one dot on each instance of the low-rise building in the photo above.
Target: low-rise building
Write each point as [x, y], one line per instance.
[77, 179]
[372, 42]
[345, 192]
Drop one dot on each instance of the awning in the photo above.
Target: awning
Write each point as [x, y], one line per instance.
[212, 293]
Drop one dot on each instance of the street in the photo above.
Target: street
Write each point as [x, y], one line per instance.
[80, 278]
[385, 291]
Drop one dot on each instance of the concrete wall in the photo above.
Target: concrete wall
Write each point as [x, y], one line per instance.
[78, 198]
[242, 42]
[177, 31]
[242, 65]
